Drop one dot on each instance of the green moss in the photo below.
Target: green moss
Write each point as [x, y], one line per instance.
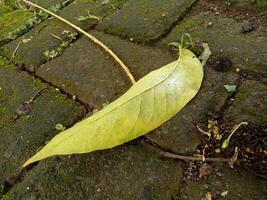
[5, 8]
[2, 61]
[13, 23]
[8, 196]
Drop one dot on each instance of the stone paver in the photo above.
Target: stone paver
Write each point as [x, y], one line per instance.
[250, 104]
[43, 42]
[224, 37]
[86, 71]
[239, 183]
[147, 20]
[131, 171]
[22, 136]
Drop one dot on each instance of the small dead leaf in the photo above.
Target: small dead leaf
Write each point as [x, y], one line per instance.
[205, 170]
[232, 160]
[207, 196]
[224, 193]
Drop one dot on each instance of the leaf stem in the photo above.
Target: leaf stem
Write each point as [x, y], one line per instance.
[91, 37]
[226, 142]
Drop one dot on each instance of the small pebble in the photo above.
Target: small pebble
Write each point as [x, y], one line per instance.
[247, 27]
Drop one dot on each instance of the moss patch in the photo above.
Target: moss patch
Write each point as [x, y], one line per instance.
[14, 23]
[5, 8]
[240, 184]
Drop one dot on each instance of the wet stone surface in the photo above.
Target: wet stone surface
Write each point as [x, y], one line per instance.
[236, 184]
[24, 127]
[249, 104]
[226, 40]
[145, 21]
[132, 171]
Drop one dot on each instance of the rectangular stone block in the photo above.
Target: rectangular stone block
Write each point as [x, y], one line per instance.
[225, 38]
[147, 20]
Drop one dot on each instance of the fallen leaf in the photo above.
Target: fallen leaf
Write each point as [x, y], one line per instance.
[150, 102]
[233, 159]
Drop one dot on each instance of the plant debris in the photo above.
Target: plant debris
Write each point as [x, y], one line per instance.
[230, 88]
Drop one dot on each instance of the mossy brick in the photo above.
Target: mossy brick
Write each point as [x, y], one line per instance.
[247, 50]
[42, 38]
[11, 22]
[240, 184]
[21, 137]
[88, 72]
[250, 104]
[131, 171]
[4, 8]
[147, 20]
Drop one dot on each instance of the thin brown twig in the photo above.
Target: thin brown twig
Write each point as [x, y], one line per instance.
[91, 37]
[196, 158]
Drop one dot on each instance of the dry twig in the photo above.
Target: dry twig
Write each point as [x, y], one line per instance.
[91, 37]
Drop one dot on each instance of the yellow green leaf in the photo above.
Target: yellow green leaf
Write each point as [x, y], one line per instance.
[150, 102]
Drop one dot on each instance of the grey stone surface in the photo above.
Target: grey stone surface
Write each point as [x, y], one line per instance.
[250, 104]
[224, 37]
[239, 184]
[131, 171]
